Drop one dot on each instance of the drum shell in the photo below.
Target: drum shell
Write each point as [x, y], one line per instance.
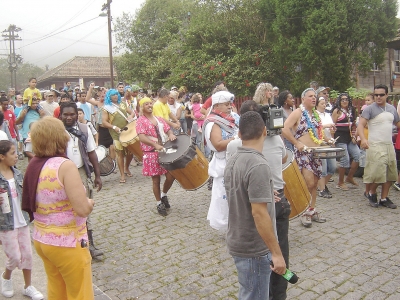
[295, 190]
[189, 167]
[327, 152]
[130, 140]
[107, 164]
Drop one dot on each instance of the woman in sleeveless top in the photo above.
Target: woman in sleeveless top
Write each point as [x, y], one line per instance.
[53, 195]
[344, 116]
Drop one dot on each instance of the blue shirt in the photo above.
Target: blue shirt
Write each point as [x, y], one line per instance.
[87, 109]
[30, 117]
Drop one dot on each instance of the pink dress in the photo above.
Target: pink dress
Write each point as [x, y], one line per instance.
[56, 223]
[151, 167]
[197, 114]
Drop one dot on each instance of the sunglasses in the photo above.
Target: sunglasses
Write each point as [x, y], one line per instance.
[381, 95]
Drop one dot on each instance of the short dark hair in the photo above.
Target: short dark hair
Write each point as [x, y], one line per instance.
[3, 99]
[249, 105]
[5, 146]
[80, 109]
[382, 86]
[251, 126]
[30, 79]
[282, 98]
[68, 105]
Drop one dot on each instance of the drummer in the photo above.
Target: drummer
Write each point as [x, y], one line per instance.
[308, 132]
[153, 133]
[117, 115]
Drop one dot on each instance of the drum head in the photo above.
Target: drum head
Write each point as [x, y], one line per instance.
[179, 157]
[127, 135]
[290, 157]
[101, 152]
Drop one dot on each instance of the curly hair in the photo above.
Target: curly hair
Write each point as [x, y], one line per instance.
[111, 92]
[260, 94]
[351, 109]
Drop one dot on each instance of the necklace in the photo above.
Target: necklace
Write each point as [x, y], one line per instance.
[316, 134]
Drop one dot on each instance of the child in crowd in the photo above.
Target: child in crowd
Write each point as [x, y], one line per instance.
[81, 119]
[14, 233]
[28, 145]
[196, 107]
[31, 92]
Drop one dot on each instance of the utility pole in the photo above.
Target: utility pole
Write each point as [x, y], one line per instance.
[107, 7]
[10, 34]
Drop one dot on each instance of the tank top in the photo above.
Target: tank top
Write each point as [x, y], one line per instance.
[342, 129]
[56, 223]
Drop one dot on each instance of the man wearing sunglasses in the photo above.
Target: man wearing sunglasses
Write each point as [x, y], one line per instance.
[380, 165]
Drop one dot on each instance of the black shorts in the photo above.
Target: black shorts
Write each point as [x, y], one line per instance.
[105, 138]
[398, 158]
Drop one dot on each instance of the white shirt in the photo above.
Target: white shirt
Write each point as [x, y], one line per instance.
[3, 136]
[19, 220]
[73, 147]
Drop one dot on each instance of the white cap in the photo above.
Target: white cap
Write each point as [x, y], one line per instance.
[222, 97]
[275, 88]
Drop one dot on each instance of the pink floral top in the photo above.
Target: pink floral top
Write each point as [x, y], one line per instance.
[144, 126]
[56, 223]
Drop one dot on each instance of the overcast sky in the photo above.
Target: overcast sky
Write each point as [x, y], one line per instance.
[40, 18]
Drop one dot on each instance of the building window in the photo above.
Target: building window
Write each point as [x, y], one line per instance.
[397, 61]
[375, 67]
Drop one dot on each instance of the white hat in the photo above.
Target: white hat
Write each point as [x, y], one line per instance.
[275, 88]
[222, 97]
[174, 88]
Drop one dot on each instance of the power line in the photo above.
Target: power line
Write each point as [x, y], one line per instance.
[47, 56]
[46, 37]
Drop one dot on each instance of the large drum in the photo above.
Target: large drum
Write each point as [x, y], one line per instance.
[295, 190]
[130, 140]
[107, 164]
[185, 162]
[327, 152]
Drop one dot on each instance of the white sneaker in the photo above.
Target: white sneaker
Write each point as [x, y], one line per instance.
[32, 292]
[6, 287]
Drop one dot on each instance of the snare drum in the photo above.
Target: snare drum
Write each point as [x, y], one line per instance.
[327, 152]
[130, 140]
[107, 164]
[295, 190]
[186, 163]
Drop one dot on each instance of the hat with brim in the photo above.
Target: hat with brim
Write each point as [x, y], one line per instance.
[321, 89]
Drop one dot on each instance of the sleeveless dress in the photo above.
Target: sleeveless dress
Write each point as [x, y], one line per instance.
[305, 159]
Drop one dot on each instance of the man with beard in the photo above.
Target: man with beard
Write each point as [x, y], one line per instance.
[80, 150]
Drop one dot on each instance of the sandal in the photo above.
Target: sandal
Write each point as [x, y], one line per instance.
[122, 181]
[342, 187]
[355, 184]
[129, 174]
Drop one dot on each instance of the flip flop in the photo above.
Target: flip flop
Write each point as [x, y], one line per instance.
[129, 174]
[122, 181]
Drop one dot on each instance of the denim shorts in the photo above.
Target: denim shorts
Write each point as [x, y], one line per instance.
[328, 166]
[352, 151]
[253, 274]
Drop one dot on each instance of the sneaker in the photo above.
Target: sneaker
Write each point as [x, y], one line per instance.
[32, 292]
[161, 209]
[327, 191]
[387, 203]
[366, 195]
[306, 220]
[323, 194]
[316, 217]
[396, 186]
[7, 289]
[166, 202]
[373, 200]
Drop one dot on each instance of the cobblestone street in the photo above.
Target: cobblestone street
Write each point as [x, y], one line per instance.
[352, 256]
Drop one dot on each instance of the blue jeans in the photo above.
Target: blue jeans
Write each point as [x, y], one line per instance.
[183, 125]
[352, 151]
[253, 274]
[328, 166]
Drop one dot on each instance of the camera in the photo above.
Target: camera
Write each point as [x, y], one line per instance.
[273, 119]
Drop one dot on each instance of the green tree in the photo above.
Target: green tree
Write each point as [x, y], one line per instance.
[24, 72]
[328, 40]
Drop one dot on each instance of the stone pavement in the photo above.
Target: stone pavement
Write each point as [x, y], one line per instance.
[354, 255]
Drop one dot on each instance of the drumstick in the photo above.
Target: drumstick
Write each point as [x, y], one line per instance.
[166, 148]
[124, 129]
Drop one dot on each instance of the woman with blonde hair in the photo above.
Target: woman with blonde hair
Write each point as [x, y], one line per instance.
[54, 196]
[263, 94]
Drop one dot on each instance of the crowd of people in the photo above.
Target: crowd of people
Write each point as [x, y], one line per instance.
[59, 130]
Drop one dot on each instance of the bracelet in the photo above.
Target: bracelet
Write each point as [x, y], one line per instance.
[114, 127]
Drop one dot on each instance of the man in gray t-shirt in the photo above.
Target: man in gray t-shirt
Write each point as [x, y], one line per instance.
[251, 236]
[381, 166]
